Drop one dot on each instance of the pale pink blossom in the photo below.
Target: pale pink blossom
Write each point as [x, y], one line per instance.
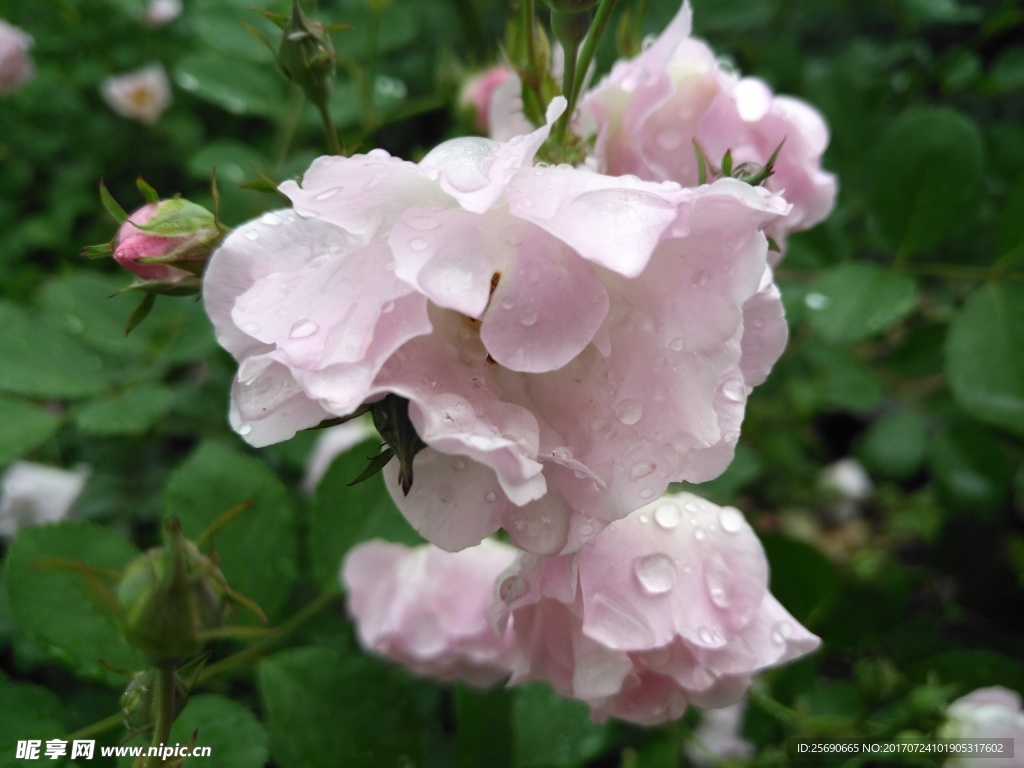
[426, 608]
[142, 95]
[161, 12]
[987, 713]
[665, 608]
[36, 494]
[650, 109]
[718, 738]
[569, 342]
[16, 66]
[477, 92]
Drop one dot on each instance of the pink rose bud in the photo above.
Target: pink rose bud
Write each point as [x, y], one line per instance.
[478, 92]
[16, 67]
[987, 713]
[426, 608]
[142, 95]
[650, 109]
[665, 608]
[167, 242]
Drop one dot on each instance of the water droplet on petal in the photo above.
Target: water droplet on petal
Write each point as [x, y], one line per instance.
[731, 519]
[598, 424]
[244, 429]
[388, 306]
[418, 244]
[656, 573]
[328, 194]
[529, 315]
[270, 219]
[735, 390]
[585, 529]
[699, 278]
[710, 637]
[641, 469]
[699, 534]
[629, 411]
[562, 453]
[677, 344]
[252, 234]
[490, 496]
[458, 465]
[781, 631]
[646, 493]
[251, 328]
[669, 140]
[303, 329]
[508, 302]
[667, 515]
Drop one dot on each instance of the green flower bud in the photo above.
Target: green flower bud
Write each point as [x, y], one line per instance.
[306, 56]
[172, 596]
[139, 700]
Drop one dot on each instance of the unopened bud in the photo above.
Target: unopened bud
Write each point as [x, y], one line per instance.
[172, 596]
[139, 700]
[306, 56]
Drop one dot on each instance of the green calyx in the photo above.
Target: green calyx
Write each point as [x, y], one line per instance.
[306, 56]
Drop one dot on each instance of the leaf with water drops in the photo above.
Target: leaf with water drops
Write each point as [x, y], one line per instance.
[853, 302]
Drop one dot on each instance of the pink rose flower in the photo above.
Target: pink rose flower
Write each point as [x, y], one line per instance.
[132, 243]
[142, 95]
[569, 342]
[665, 608]
[651, 108]
[426, 608]
[987, 713]
[478, 91]
[16, 66]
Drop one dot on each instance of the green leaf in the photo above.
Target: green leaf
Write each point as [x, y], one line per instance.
[140, 313]
[29, 712]
[802, 578]
[985, 356]
[55, 606]
[237, 739]
[40, 360]
[214, 479]
[25, 426]
[326, 710]
[484, 727]
[128, 413]
[343, 516]
[553, 731]
[926, 177]
[234, 161]
[236, 86]
[852, 302]
[971, 469]
[973, 669]
[896, 444]
[1010, 225]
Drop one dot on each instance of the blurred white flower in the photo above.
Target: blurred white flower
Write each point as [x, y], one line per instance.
[847, 486]
[331, 443]
[161, 12]
[719, 737]
[142, 95]
[987, 713]
[16, 67]
[35, 494]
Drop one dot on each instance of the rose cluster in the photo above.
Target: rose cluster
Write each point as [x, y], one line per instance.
[566, 342]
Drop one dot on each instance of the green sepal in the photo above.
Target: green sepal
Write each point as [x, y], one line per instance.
[259, 35]
[702, 164]
[178, 217]
[727, 163]
[391, 418]
[113, 207]
[187, 286]
[377, 463]
[280, 19]
[772, 245]
[101, 251]
[262, 184]
[141, 312]
[148, 193]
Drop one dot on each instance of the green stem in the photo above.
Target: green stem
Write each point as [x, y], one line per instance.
[329, 129]
[288, 126]
[95, 729]
[165, 706]
[531, 45]
[370, 85]
[597, 28]
[568, 87]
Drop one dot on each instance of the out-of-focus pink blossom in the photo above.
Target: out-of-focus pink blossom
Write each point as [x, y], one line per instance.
[665, 608]
[35, 494]
[648, 112]
[478, 91]
[162, 12]
[569, 342]
[16, 66]
[426, 608]
[133, 243]
[718, 738]
[987, 713]
[142, 95]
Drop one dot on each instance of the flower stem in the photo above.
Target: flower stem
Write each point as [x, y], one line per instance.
[597, 28]
[329, 129]
[165, 706]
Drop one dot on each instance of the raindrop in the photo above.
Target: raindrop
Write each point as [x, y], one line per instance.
[699, 534]
[735, 390]
[586, 529]
[656, 573]
[669, 140]
[529, 315]
[699, 278]
[641, 469]
[252, 234]
[244, 429]
[646, 493]
[731, 519]
[677, 344]
[328, 194]
[389, 306]
[490, 496]
[508, 302]
[251, 328]
[303, 329]
[645, 518]
[629, 411]
[418, 244]
[562, 453]
[270, 219]
[667, 515]
[781, 631]
[715, 582]
[598, 424]
[710, 637]
[389, 265]
[458, 465]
